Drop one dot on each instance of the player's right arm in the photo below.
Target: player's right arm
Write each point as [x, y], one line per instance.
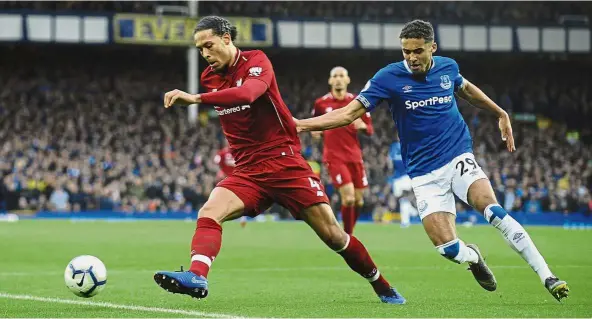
[374, 92]
[334, 119]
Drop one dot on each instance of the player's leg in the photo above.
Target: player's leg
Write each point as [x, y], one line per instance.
[342, 180]
[321, 219]
[480, 195]
[360, 181]
[437, 211]
[301, 192]
[359, 198]
[229, 200]
[348, 209]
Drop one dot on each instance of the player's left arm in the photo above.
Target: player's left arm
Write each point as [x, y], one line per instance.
[334, 119]
[472, 94]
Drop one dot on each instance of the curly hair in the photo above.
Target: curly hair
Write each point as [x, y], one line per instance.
[218, 25]
[418, 29]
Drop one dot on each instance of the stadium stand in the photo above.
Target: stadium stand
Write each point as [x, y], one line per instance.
[78, 136]
[494, 12]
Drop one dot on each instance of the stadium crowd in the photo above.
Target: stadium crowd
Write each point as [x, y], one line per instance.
[77, 136]
[444, 11]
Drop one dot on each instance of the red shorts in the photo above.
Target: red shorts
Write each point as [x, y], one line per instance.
[345, 173]
[287, 180]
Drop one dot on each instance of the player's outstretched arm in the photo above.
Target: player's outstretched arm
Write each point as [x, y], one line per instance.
[245, 94]
[337, 118]
[472, 94]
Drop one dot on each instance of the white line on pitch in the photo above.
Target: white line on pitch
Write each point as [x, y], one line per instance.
[115, 306]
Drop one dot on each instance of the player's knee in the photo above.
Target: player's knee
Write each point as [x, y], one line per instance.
[480, 195]
[209, 211]
[335, 238]
[360, 202]
[349, 200]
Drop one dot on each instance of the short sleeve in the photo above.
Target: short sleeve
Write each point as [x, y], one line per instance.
[459, 80]
[375, 90]
[259, 67]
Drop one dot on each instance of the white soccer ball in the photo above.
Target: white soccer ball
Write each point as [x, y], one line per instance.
[85, 276]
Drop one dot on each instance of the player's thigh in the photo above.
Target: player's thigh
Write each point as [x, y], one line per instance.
[358, 175]
[339, 173]
[433, 193]
[234, 197]
[440, 227]
[468, 173]
[321, 219]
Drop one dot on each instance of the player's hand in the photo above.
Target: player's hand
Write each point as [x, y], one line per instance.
[360, 125]
[506, 129]
[179, 97]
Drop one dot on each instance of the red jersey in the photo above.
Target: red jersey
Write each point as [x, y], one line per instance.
[225, 160]
[341, 145]
[262, 130]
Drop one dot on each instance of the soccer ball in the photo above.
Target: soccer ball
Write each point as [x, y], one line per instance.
[85, 276]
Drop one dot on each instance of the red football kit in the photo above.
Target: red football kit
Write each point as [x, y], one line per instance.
[262, 137]
[225, 161]
[342, 152]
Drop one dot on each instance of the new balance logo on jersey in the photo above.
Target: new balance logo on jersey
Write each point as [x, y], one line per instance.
[435, 100]
[255, 71]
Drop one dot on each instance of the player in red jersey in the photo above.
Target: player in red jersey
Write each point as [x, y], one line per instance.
[225, 161]
[342, 153]
[269, 168]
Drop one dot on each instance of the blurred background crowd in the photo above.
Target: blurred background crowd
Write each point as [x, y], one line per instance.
[80, 136]
[444, 11]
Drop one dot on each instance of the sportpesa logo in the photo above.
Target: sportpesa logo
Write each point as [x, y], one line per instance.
[434, 100]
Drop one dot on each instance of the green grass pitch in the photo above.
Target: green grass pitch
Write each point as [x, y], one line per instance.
[281, 270]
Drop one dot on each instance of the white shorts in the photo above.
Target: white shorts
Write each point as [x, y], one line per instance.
[434, 191]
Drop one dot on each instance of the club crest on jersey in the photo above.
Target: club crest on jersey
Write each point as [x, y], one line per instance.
[407, 88]
[329, 109]
[255, 71]
[445, 82]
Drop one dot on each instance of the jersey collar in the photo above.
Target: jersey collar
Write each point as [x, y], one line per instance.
[409, 69]
[233, 66]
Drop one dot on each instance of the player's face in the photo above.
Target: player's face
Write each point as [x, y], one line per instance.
[339, 79]
[418, 54]
[213, 48]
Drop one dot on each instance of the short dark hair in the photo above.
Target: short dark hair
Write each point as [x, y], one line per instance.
[218, 25]
[418, 29]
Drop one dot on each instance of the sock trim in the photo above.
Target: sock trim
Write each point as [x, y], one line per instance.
[375, 277]
[202, 258]
[346, 245]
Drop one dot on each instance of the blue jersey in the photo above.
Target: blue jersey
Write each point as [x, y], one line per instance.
[431, 129]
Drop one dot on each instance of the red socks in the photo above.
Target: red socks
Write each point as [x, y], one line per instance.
[348, 215]
[358, 259]
[205, 245]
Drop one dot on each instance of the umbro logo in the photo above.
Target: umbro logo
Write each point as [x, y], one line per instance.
[407, 88]
[518, 237]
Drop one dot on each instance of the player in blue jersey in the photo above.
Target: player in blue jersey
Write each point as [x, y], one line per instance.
[437, 150]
